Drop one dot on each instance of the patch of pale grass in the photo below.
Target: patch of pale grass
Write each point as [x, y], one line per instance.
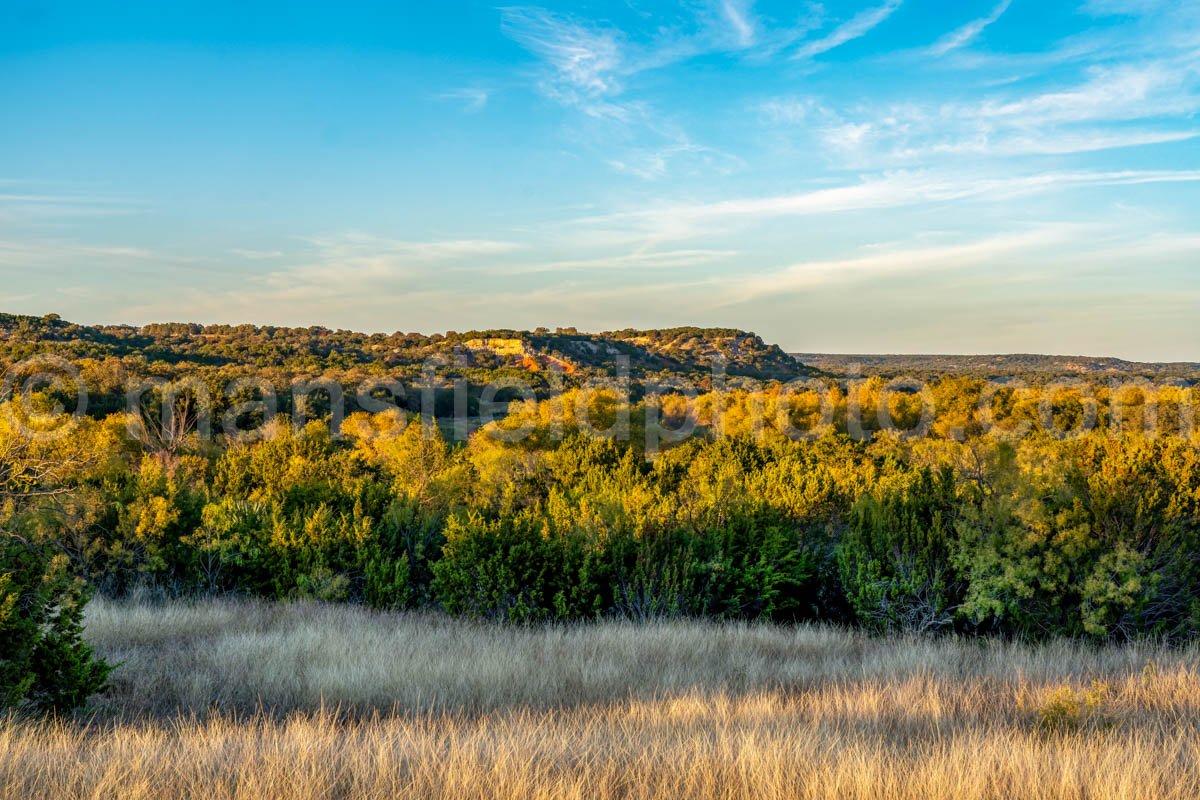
[240, 655]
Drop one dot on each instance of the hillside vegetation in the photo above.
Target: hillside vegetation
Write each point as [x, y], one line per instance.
[956, 506]
[192, 346]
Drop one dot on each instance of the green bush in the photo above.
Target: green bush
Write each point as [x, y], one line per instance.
[397, 565]
[753, 565]
[896, 561]
[1104, 546]
[515, 569]
[44, 662]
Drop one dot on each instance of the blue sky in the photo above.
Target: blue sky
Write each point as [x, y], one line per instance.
[872, 176]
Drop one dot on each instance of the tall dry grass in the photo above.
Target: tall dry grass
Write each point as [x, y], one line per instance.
[674, 710]
[240, 655]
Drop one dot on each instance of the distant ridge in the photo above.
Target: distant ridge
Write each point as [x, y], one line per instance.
[995, 365]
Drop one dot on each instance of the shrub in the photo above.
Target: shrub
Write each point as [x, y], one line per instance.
[1065, 709]
[896, 559]
[44, 662]
[751, 566]
[515, 569]
[1103, 544]
[397, 565]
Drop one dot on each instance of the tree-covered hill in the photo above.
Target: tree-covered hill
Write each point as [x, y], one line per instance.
[648, 353]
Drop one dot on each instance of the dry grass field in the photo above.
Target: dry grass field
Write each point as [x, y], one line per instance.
[224, 699]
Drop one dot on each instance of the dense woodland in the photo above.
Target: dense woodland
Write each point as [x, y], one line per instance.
[1017, 511]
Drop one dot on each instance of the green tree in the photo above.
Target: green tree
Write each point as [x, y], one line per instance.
[44, 661]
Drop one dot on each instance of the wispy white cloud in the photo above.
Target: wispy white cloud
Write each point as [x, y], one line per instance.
[589, 68]
[894, 190]
[54, 203]
[583, 63]
[584, 68]
[40, 253]
[647, 164]
[675, 147]
[351, 270]
[898, 259]
[471, 98]
[1122, 92]
[636, 260]
[1050, 143]
[1048, 252]
[1102, 8]
[1160, 96]
[256, 255]
[374, 283]
[356, 248]
[741, 21]
[968, 33]
[857, 27]
[786, 110]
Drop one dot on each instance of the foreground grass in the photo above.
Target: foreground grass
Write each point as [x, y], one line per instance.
[354, 704]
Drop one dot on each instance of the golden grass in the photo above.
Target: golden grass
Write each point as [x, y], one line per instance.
[434, 708]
